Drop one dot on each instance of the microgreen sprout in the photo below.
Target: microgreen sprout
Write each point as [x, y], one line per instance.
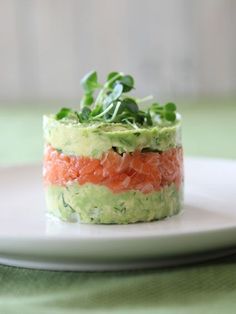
[113, 105]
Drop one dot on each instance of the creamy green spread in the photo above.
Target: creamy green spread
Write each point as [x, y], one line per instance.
[74, 138]
[91, 203]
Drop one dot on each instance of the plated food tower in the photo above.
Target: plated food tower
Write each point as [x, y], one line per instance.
[112, 162]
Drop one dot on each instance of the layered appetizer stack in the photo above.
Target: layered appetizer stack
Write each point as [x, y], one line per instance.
[111, 162]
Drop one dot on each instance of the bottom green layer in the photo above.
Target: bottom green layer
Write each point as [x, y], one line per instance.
[97, 204]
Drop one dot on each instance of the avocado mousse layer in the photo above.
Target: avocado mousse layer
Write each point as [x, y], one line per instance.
[93, 139]
[97, 204]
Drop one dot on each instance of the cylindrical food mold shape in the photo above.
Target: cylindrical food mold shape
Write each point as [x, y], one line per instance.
[112, 173]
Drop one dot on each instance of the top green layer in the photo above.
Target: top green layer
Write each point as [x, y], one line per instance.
[74, 138]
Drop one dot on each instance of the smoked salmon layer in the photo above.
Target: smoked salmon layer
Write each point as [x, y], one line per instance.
[140, 171]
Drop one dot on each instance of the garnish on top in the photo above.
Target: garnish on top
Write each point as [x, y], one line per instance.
[112, 104]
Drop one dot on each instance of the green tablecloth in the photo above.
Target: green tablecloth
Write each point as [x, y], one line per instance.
[209, 130]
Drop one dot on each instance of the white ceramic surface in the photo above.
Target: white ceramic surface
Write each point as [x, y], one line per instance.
[206, 228]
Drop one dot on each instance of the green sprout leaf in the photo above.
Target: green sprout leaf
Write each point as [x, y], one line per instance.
[87, 100]
[96, 111]
[112, 78]
[85, 113]
[149, 118]
[170, 116]
[111, 105]
[111, 75]
[128, 83]
[155, 107]
[170, 106]
[64, 112]
[90, 82]
[130, 105]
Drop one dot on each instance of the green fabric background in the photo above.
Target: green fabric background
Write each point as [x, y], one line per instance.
[209, 130]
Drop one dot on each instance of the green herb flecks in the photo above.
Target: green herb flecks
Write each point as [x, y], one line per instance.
[110, 103]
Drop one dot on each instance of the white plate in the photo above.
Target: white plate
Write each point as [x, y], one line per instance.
[206, 227]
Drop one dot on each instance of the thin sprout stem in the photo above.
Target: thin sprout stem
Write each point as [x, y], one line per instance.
[147, 98]
[104, 112]
[115, 112]
[100, 94]
[113, 79]
[134, 125]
